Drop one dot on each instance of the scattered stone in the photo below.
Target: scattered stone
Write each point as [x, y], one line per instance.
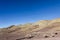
[56, 33]
[53, 36]
[46, 36]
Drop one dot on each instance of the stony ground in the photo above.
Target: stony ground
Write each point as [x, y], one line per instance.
[58, 38]
[42, 30]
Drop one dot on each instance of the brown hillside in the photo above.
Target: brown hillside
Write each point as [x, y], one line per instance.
[40, 30]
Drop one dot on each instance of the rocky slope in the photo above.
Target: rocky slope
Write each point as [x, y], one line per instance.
[41, 30]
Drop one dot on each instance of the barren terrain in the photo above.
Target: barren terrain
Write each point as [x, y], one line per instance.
[41, 30]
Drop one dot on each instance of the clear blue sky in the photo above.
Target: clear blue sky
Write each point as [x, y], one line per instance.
[24, 11]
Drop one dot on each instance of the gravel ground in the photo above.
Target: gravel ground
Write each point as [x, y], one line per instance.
[58, 38]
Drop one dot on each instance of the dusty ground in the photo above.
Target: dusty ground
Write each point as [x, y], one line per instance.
[58, 38]
[42, 30]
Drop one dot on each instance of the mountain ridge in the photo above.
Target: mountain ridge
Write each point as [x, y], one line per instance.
[31, 30]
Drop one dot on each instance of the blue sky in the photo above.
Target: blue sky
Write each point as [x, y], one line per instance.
[25, 11]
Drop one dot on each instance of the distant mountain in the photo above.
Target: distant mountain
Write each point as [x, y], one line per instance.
[32, 31]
